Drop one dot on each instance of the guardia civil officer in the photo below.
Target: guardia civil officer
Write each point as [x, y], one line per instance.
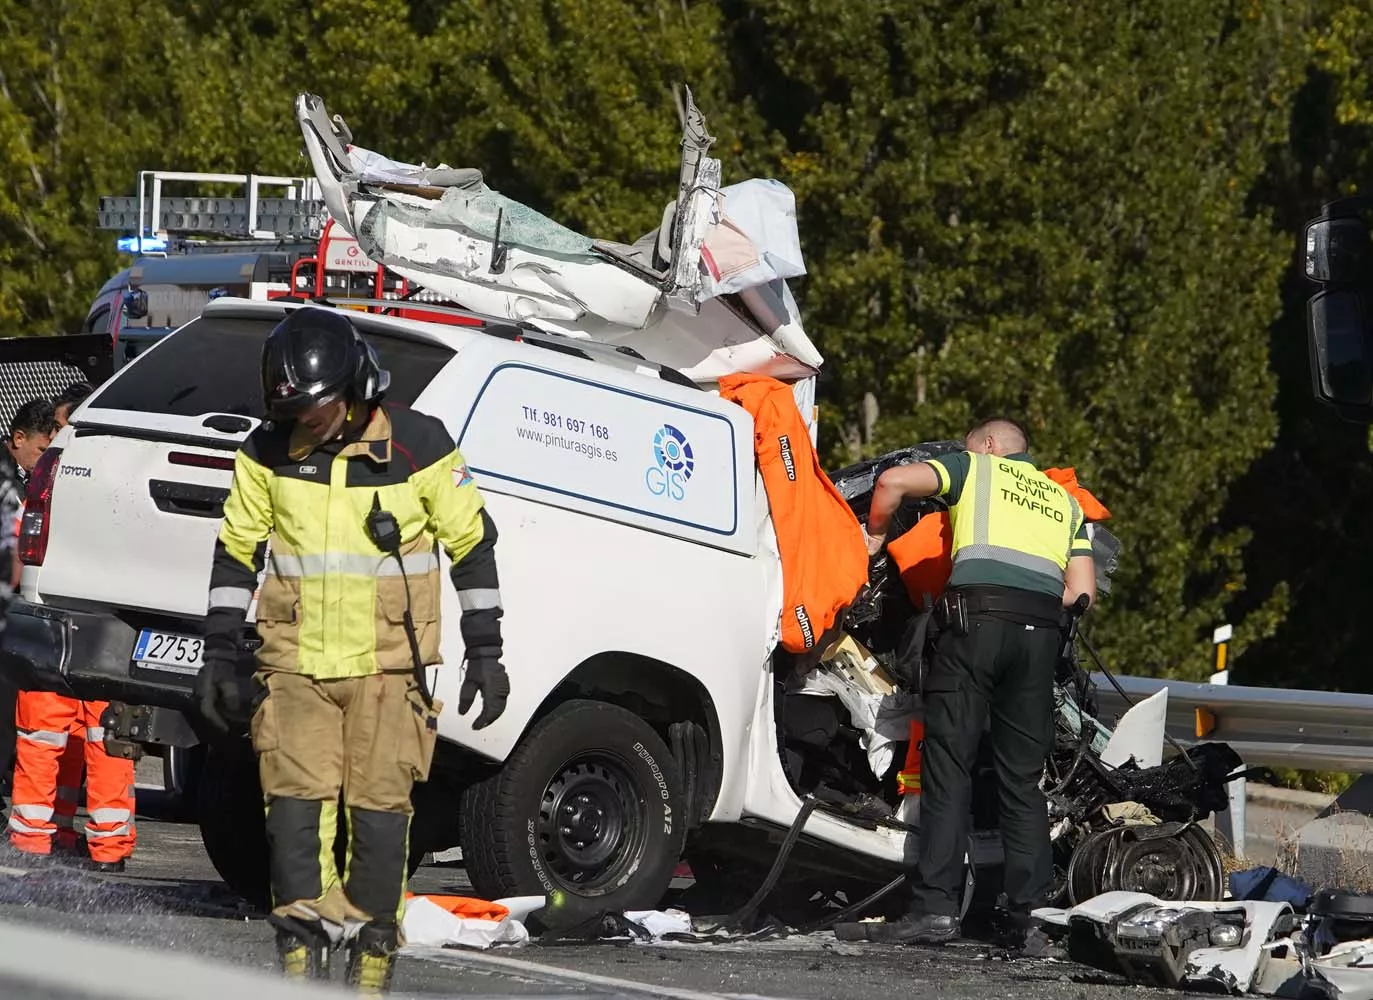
[1021, 555]
[353, 498]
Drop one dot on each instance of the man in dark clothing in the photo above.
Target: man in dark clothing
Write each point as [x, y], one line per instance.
[10, 500]
[1021, 555]
[31, 431]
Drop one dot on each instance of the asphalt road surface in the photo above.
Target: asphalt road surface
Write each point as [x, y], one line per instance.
[1272, 825]
[169, 907]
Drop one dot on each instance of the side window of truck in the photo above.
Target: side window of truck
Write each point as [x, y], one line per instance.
[211, 365]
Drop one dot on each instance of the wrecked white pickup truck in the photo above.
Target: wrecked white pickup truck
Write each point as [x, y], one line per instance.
[648, 717]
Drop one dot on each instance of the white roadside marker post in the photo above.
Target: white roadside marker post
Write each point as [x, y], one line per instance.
[1229, 824]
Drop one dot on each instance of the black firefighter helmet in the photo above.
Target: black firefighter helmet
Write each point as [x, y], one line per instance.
[313, 356]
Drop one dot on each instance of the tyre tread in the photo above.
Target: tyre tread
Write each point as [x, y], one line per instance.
[490, 859]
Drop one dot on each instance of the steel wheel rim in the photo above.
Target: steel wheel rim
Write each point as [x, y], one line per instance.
[1162, 868]
[592, 825]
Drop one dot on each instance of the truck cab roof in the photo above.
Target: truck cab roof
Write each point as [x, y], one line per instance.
[455, 337]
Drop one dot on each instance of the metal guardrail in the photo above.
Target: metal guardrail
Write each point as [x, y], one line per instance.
[1277, 727]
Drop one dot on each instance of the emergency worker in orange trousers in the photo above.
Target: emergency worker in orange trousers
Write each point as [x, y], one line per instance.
[57, 735]
[47, 782]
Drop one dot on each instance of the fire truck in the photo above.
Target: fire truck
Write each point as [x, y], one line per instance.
[272, 239]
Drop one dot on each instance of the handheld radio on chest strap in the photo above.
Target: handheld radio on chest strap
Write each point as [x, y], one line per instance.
[384, 530]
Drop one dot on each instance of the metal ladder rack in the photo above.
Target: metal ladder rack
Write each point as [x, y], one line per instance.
[151, 216]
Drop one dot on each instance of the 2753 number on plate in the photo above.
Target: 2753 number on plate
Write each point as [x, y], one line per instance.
[168, 651]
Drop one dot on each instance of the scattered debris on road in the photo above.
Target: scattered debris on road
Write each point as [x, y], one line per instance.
[1279, 946]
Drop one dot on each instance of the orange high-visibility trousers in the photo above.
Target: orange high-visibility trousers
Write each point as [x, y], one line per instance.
[47, 779]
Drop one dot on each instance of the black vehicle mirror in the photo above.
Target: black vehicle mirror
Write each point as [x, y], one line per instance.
[1338, 251]
[136, 303]
[1338, 338]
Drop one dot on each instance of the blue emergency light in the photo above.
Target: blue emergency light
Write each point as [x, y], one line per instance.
[141, 244]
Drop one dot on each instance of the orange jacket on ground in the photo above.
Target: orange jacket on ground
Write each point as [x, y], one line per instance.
[924, 554]
[824, 557]
[47, 779]
[467, 907]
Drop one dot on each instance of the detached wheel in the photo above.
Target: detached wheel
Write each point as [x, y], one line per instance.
[233, 824]
[587, 806]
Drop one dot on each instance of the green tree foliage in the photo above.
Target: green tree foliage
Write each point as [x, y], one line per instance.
[1309, 499]
[1005, 215]
[80, 112]
[1080, 214]
[573, 105]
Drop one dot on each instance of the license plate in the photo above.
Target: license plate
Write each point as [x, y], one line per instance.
[168, 651]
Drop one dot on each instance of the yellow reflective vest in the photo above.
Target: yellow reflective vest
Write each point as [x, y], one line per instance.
[332, 604]
[1012, 525]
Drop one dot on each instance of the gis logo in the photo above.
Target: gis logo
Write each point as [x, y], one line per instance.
[673, 464]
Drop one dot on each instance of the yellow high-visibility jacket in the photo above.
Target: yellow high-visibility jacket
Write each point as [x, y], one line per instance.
[1013, 526]
[332, 604]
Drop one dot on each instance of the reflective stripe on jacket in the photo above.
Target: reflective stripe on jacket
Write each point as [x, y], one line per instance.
[1012, 525]
[924, 554]
[332, 604]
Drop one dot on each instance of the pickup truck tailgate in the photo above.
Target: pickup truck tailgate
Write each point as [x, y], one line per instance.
[133, 522]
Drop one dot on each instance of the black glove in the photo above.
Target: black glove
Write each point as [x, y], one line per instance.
[225, 697]
[484, 674]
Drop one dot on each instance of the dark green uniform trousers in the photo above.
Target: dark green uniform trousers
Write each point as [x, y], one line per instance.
[1008, 667]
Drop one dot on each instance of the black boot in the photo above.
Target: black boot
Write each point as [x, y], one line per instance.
[371, 959]
[922, 928]
[302, 947]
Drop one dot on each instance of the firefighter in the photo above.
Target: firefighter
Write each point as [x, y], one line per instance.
[321, 492]
[1021, 556]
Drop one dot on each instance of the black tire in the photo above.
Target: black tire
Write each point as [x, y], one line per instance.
[181, 769]
[624, 833]
[233, 825]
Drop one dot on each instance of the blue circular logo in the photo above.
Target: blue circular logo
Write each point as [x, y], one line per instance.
[673, 451]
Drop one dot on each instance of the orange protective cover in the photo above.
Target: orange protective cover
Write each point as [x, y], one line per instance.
[824, 557]
[466, 906]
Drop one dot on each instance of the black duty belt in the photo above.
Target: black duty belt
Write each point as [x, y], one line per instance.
[1011, 603]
